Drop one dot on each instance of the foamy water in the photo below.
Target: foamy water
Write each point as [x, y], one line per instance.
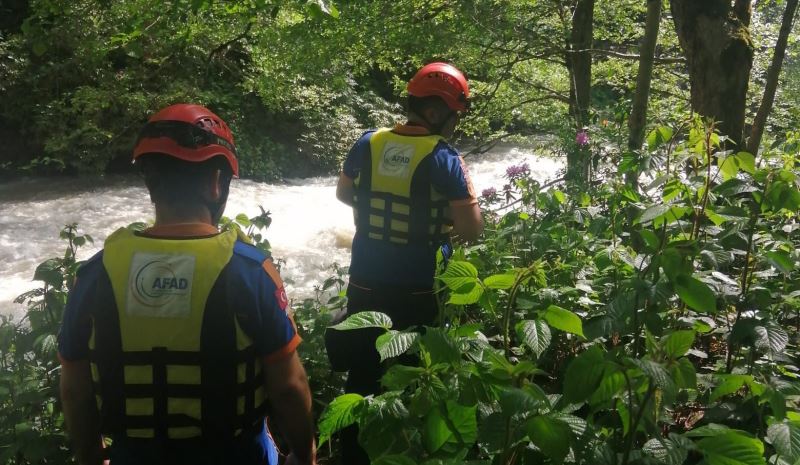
[310, 229]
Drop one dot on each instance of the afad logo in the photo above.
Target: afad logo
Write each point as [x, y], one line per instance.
[157, 284]
[396, 159]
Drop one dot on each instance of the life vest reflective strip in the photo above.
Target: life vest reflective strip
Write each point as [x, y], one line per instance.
[192, 374]
[394, 199]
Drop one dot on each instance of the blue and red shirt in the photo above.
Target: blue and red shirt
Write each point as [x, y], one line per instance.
[376, 262]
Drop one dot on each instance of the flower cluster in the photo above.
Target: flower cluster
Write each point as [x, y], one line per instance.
[517, 172]
[489, 194]
[582, 138]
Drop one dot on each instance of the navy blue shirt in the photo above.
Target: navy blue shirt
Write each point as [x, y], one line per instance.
[259, 301]
[376, 262]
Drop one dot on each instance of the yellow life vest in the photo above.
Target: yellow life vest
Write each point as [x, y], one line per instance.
[168, 357]
[394, 200]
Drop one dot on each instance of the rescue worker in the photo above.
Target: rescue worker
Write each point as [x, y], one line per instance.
[176, 339]
[411, 193]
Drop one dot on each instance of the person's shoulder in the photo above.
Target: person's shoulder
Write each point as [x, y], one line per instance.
[365, 137]
[444, 150]
[92, 265]
[250, 253]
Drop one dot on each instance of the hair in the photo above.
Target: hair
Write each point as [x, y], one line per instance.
[176, 182]
[418, 105]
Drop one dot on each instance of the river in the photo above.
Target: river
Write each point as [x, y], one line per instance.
[310, 229]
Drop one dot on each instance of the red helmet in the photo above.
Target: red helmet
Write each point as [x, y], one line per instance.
[442, 80]
[188, 132]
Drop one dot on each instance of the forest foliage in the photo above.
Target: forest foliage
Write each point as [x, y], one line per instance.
[299, 79]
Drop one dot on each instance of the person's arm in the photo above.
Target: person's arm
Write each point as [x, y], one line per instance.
[290, 397]
[80, 412]
[345, 189]
[467, 221]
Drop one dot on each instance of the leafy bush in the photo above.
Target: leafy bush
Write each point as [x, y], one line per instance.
[610, 326]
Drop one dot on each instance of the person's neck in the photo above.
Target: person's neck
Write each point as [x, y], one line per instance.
[169, 216]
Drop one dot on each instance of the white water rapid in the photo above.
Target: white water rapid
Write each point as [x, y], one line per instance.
[310, 229]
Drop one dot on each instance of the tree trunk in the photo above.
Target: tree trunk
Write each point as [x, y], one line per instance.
[579, 65]
[773, 74]
[715, 37]
[579, 60]
[638, 118]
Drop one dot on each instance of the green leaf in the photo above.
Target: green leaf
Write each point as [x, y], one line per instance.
[394, 343]
[785, 437]
[583, 375]
[746, 162]
[651, 213]
[695, 293]
[394, 459]
[500, 281]
[564, 320]
[49, 271]
[462, 279]
[732, 448]
[450, 427]
[535, 334]
[399, 377]
[610, 385]
[515, 400]
[459, 274]
[338, 415]
[442, 347]
[365, 320]
[665, 451]
[684, 374]
[781, 261]
[728, 167]
[551, 436]
[466, 297]
[243, 220]
[771, 337]
[728, 385]
[677, 343]
[733, 187]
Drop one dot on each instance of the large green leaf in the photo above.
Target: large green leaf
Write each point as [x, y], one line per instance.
[442, 347]
[398, 377]
[394, 343]
[365, 320]
[500, 281]
[551, 436]
[677, 343]
[684, 374]
[450, 427]
[695, 293]
[459, 275]
[535, 334]
[338, 415]
[780, 260]
[584, 374]
[563, 319]
[771, 337]
[651, 213]
[728, 384]
[732, 448]
[666, 451]
[785, 437]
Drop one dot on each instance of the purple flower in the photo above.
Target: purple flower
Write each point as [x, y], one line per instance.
[517, 172]
[489, 193]
[582, 138]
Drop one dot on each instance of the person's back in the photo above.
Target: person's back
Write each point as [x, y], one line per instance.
[181, 333]
[410, 193]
